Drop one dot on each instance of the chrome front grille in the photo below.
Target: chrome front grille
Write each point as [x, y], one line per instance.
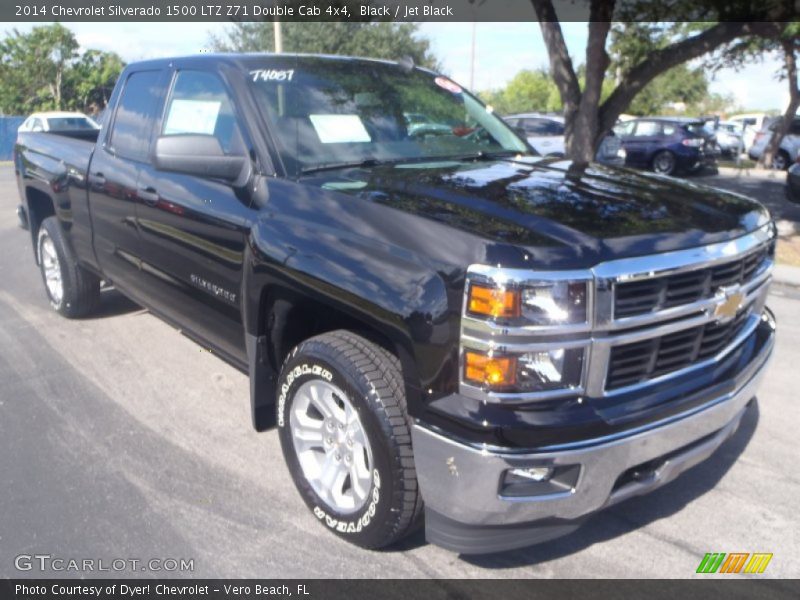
[651, 318]
[658, 293]
[630, 364]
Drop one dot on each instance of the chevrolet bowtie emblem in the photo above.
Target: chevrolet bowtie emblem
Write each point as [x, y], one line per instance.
[729, 301]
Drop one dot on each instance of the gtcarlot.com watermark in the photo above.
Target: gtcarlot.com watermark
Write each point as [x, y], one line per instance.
[48, 562]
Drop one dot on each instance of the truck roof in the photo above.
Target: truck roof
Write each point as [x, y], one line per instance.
[249, 58]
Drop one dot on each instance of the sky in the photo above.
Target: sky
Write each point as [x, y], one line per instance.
[502, 49]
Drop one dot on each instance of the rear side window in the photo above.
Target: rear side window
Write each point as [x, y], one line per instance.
[130, 136]
[647, 129]
[201, 105]
[543, 127]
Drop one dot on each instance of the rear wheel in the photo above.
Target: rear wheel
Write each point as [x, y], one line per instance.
[72, 290]
[346, 438]
[664, 162]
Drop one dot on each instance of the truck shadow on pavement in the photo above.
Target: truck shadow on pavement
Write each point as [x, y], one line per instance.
[113, 304]
[637, 512]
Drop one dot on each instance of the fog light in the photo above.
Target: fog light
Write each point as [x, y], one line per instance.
[532, 473]
[521, 482]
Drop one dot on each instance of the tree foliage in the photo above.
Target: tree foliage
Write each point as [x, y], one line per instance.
[528, 91]
[654, 39]
[373, 40]
[782, 39]
[44, 70]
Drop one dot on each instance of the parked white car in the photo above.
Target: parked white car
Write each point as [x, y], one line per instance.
[545, 134]
[749, 124]
[58, 121]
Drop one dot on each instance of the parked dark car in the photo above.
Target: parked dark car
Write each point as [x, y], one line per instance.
[667, 145]
[445, 326]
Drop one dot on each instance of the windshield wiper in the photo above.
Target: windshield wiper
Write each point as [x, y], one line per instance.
[368, 162]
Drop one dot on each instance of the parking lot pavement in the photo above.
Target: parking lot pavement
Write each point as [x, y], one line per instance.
[120, 438]
[768, 187]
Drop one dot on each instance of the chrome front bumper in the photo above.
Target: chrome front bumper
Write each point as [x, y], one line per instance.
[462, 483]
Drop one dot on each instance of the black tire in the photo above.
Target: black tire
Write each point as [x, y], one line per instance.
[371, 378]
[664, 162]
[781, 160]
[80, 288]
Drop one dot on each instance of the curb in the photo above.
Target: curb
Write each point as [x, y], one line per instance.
[786, 275]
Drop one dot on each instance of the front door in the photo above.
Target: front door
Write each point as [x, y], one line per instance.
[194, 229]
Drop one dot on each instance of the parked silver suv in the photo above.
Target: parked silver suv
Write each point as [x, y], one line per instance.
[545, 134]
[788, 149]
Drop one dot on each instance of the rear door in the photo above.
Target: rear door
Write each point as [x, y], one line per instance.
[113, 174]
[644, 142]
[194, 229]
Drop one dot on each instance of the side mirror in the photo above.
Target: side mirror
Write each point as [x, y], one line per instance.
[196, 154]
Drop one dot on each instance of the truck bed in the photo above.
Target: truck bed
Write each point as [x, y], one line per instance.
[48, 155]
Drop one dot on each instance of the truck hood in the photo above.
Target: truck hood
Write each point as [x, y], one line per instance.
[590, 212]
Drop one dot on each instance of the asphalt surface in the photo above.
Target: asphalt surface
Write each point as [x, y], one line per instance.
[122, 439]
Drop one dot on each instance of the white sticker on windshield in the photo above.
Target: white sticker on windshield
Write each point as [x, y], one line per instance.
[450, 86]
[272, 74]
[339, 129]
[192, 116]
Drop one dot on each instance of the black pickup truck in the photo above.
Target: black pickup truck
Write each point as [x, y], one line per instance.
[439, 322]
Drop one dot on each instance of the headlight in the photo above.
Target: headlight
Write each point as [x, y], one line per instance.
[537, 303]
[545, 370]
[554, 303]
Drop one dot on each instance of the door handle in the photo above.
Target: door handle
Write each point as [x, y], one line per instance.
[148, 195]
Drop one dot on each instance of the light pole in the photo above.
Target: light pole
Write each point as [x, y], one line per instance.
[278, 32]
[472, 58]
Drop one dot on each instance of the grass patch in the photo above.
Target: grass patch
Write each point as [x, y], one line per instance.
[745, 163]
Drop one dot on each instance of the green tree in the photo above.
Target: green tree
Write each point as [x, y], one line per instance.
[373, 40]
[644, 51]
[782, 39]
[680, 84]
[91, 80]
[43, 70]
[32, 68]
[528, 91]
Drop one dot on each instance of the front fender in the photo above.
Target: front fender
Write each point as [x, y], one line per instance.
[385, 288]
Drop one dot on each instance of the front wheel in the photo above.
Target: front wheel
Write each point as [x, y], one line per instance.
[72, 290]
[664, 163]
[345, 435]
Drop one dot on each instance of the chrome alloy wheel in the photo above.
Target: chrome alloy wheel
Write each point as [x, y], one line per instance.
[331, 445]
[51, 268]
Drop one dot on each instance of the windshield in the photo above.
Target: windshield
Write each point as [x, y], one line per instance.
[70, 124]
[330, 112]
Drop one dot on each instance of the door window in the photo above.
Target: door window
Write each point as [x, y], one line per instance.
[625, 128]
[200, 105]
[130, 136]
[647, 129]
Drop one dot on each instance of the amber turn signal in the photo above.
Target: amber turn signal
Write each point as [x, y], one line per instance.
[494, 371]
[493, 302]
